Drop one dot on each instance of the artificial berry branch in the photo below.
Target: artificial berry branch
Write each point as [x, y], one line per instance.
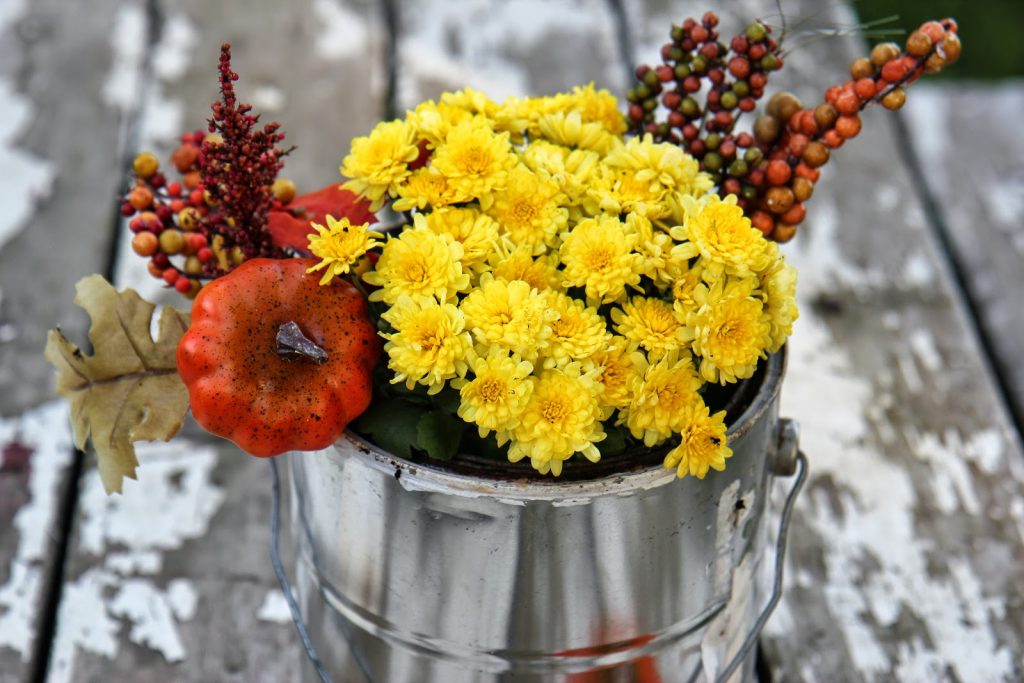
[216, 217]
[773, 171]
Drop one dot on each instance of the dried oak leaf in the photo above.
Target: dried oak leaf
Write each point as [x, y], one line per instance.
[129, 389]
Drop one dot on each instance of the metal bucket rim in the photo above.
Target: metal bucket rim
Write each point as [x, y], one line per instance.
[429, 477]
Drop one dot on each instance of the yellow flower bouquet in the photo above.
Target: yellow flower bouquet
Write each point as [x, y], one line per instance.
[569, 288]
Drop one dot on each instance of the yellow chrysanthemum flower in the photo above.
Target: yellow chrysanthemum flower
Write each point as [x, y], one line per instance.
[778, 293]
[562, 417]
[432, 121]
[519, 115]
[528, 209]
[425, 188]
[380, 162]
[473, 101]
[497, 395]
[429, 345]
[650, 323]
[421, 264]
[475, 160]
[619, 190]
[619, 365]
[510, 262]
[655, 247]
[719, 231]
[685, 283]
[573, 170]
[598, 255]
[511, 315]
[660, 399]
[661, 163]
[730, 330]
[339, 245]
[476, 232]
[568, 129]
[597, 106]
[703, 445]
[578, 332]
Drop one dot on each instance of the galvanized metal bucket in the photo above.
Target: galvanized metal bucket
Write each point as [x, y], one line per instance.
[416, 573]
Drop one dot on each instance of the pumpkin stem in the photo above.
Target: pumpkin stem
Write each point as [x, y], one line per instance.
[292, 344]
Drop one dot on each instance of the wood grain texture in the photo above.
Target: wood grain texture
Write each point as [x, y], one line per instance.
[59, 165]
[905, 557]
[173, 581]
[502, 48]
[973, 164]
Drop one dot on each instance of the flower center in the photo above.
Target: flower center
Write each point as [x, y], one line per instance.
[554, 411]
[493, 390]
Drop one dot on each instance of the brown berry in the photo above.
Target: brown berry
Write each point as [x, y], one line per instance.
[815, 155]
[861, 68]
[884, 52]
[825, 115]
[145, 243]
[798, 143]
[950, 47]
[894, 99]
[154, 270]
[779, 200]
[183, 285]
[145, 165]
[782, 105]
[766, 129]
[934, 63]
[802, 189]
[783, 232]
[918, 44]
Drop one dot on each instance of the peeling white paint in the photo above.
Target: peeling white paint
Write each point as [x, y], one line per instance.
[152, 616]
[173, 54]
[46, 431]
[27, 179]
[918, 272]
[175, 502]
[122, 88]
[144, 562]
[274, 608]
[83, 622]
[877, 564]
[343, 33]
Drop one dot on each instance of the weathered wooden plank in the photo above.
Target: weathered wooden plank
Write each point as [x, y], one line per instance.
[505, 48]
[905, 559]
[59, 165]
[974, 166]
[172, 580]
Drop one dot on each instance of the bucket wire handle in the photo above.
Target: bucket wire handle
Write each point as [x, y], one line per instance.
[780, 555]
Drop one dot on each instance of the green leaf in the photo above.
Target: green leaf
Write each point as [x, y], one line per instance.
[391, 424]
[129, 389]
[448, 400]
[439, 434]
[614, 443]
